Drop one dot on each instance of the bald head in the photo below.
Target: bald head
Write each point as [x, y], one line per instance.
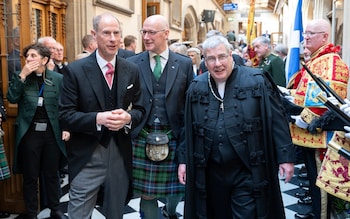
[159, 20]
[317, 34]
[321, 25]
[155, 33]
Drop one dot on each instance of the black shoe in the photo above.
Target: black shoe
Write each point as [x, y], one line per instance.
[305, 185]
[57, 215]
[304, 216]
[305, 200]
[4, 214]
[166, 214]
[302, 175]
[301, 194]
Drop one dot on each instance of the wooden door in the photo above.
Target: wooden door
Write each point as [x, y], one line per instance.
[23, 23]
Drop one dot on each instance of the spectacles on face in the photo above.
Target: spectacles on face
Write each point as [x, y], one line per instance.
[212, 59]
[310, 33]
[150, 32]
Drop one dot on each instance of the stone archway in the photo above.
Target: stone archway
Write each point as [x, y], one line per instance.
[191, 26]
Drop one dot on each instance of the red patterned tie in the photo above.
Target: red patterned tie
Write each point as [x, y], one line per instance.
[109, 74]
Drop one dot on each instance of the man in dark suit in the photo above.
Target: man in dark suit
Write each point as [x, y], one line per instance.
[123, 53]
[99, 114]
[89, 44]
[164, 100]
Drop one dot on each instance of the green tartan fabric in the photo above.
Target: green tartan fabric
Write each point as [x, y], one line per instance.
[4, 168]
[156, 179]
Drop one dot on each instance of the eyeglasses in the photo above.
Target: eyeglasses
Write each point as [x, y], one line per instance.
[150, 32]
[212, 59]
[309, 33]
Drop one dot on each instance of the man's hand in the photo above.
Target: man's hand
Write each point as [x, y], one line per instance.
[65, 135]
[333, 100]
[50, 65]
[181, 173]
[286, 170]
[347, 129]
[284, 90]
[346, 107]
[113, 120]
[300, 122]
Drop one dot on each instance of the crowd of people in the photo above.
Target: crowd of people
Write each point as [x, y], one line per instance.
[195, 123]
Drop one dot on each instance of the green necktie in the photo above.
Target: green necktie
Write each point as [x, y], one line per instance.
[157, 71]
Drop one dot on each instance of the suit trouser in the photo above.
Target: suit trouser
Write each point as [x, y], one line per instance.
[106, 166]
[315, 192]
[230, 192]
[40, 154]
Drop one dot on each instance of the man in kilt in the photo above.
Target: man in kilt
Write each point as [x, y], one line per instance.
[165, 77]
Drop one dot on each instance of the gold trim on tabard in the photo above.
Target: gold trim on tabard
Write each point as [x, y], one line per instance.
[302, 137]
[334, 175]
[307, 115]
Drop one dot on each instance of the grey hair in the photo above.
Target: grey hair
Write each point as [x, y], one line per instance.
[215, 41]
[178, 48]
[281, 48]
[213, 33]
[43, 39]
[96, 20]
[263, 40]
[194, 49]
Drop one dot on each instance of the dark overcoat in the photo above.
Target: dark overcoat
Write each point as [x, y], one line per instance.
[259, 133]
[25, 94]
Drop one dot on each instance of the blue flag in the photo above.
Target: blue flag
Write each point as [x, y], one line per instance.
[295, 44]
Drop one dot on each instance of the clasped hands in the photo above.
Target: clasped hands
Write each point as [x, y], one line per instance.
[113, 120]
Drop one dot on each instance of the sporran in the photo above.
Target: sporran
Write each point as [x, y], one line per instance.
[157, 146]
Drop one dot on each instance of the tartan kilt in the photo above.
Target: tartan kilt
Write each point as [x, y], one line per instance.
[151, 178]
[4, 168]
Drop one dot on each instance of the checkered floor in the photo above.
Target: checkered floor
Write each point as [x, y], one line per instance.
[131, 211]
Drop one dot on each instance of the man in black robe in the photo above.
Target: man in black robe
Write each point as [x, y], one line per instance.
[237, 138]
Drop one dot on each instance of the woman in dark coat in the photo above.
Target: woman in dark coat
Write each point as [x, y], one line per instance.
[39, 146]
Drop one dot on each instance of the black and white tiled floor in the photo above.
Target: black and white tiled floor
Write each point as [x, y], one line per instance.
[132, 210]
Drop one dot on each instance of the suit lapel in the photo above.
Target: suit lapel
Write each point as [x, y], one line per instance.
[93, 72]
[146, 71]
[172, 69]
[122, 77]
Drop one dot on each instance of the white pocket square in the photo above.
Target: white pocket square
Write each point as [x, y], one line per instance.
[130, 86]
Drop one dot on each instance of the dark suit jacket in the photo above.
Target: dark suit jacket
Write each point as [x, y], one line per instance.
[180, 74]
[123, 53]
[82, 98]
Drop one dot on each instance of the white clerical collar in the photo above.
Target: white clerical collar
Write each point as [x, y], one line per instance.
[221, 88]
